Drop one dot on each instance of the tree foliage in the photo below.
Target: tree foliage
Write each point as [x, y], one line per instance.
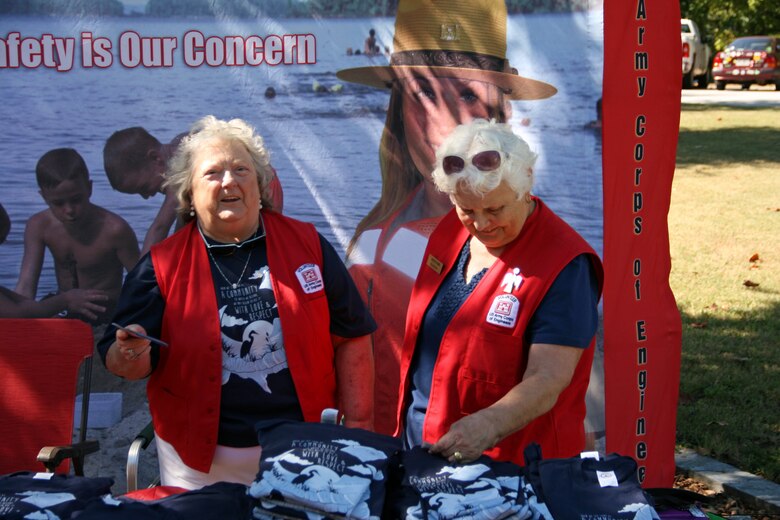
[62, 7]
[724, 20]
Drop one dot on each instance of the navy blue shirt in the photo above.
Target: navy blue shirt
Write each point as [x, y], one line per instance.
[567, 315]
[256, 380]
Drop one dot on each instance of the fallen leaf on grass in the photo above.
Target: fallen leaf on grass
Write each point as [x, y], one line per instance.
[699, 325]
[717, 423]
[754, 258]
[748, 283]
[755, 266]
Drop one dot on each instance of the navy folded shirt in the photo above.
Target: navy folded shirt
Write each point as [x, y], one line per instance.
[311, 469]
[431, 487]
[223, 500]
[27, 494]
[580, 488]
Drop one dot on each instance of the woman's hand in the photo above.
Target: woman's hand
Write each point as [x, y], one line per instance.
[130, 356]
[549, 372]
[132, 347]
[467, 438]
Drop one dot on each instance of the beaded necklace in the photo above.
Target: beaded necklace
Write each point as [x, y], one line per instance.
[235, 284]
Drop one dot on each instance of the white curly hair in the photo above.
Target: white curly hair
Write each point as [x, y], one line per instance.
[480, 135]
[178, 177]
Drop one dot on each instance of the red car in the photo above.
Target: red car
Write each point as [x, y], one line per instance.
[748, 60]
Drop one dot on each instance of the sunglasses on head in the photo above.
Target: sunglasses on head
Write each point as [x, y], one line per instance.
[486, 161]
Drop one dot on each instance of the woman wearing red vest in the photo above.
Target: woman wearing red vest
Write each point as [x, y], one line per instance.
[449, 66]
[503, 314]
[260, 316]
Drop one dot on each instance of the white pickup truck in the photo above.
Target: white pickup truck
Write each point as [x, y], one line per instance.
[696, 55]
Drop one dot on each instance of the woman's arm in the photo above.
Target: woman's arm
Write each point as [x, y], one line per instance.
[549, 372]
[354, 357]
[355, 380]
[140, 304]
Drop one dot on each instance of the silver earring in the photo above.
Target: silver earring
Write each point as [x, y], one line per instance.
[192, 211]
[261, 204]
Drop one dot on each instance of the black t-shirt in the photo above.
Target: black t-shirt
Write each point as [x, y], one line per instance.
[256, 380]
[25, 494]
[328, 470]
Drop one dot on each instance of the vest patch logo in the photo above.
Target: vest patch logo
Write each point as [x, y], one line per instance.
[512, 280]
[310, 278]
[503, 311]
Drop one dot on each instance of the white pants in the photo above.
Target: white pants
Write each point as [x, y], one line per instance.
[239, 465]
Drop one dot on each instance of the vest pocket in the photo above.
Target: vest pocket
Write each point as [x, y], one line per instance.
[491, 367]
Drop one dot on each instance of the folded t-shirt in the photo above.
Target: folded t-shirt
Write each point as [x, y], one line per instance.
[577, 488]
[431, 487]
[27, 494]
[308, 469]
[214, 502]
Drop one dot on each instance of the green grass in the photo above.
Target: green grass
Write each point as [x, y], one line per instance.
[725, 209]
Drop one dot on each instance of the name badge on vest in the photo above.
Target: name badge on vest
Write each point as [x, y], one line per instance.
[310, 278]
[434, 263]
[503, 311]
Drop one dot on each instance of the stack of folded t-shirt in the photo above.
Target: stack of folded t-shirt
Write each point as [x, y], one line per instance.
[604, 488]
[315, 470]
[432, 488]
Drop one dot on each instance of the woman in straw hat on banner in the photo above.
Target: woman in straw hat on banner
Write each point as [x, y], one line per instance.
[448, 67]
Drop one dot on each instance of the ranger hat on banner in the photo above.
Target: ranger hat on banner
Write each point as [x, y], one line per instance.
[451, 38]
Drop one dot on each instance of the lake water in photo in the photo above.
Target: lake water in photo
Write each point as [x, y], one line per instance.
[324, 146]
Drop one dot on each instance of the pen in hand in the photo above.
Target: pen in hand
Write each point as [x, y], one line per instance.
[140, 335]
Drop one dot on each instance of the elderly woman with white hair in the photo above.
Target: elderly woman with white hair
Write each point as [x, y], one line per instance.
[502, 319]
[260, 316]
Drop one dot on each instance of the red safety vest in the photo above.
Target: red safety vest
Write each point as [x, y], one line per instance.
[483, 353]
[184, 390]
[384, 268]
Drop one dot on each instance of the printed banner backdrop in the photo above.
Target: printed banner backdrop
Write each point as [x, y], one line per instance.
[642, 329]
[72, 81]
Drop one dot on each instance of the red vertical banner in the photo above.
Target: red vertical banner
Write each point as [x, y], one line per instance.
[642, 330]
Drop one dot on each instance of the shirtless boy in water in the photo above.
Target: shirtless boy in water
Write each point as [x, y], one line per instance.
[13, 305]
[135, 162]
[91, 246]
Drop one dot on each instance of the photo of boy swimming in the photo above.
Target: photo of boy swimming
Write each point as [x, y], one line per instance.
[91, 246]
